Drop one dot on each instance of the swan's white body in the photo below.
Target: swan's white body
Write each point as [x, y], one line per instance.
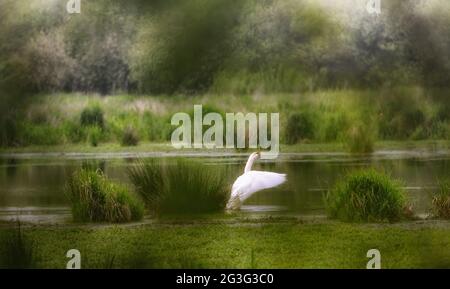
[252, 181]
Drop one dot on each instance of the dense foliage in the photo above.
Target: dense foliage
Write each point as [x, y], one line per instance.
[221, 46]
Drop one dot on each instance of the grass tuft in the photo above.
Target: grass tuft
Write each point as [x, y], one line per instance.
[300, 127]
[95, 198]
[441, 200]
[360, 139]
[129, 137]
[366, 196]
[92, 115]
[181, 187]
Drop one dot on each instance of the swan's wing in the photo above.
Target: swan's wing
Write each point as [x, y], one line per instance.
[253, 181]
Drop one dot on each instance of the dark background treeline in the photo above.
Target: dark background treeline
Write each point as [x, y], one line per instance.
[191, 46]
[218, 46]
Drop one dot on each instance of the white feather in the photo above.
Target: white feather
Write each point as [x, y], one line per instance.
[251, 182]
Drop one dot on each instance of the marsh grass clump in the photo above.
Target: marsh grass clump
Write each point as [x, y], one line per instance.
[92, 115]
[360, 139]
[129, 137]
[300, 127]
[182, 187]
[441, 200]
[17, 251]
[94, 135]
[95, 198]
[366, 196]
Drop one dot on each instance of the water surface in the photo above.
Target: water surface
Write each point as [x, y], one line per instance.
[32, 185]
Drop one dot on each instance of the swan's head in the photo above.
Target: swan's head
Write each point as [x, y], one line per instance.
[256, 155]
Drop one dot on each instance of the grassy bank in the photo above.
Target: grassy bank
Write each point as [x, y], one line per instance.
[291, 244]
[347, 119]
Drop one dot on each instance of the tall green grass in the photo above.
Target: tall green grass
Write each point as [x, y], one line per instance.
[129, 137]
[366, 196]
[300, 127]
[360, 138]
[441, 200]
[356, 118]
[92, 115]
[182, 187]
[95, 198]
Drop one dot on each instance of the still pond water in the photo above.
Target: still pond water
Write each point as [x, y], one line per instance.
[32, 186]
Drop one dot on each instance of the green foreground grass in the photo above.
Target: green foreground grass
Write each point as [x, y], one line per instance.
[288, 244]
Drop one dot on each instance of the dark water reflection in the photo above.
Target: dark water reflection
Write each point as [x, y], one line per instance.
[35, 186]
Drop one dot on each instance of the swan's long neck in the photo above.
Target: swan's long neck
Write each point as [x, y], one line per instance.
[250, 161]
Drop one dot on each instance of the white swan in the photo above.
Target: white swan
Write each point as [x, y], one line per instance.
[252, 181]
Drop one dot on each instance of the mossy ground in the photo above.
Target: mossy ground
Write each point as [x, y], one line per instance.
[273, 244]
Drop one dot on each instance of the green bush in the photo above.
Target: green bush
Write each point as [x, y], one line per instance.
[92, 116]
[366, 196]
[9, 131]
[401, 113]
[300, 126]
[185, 47]
[95, 198]
[129, 137]
[441, 200]
[180, 188]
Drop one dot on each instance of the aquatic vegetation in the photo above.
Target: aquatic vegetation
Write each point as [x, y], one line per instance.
[441, 200]
[366, 195]
[17, 251]
[95, 198]
[182, 187]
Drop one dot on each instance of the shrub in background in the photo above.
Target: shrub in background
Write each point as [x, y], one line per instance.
[92, 116]
[95, 198]
[94, 135]
[185, 47]
[74, 132]
[402, 111]
[441, 200]
[300, 126]
[129, 137]
[182, 187]
[40, 134]
[366, 196]
[360, 138]
[157, 128]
